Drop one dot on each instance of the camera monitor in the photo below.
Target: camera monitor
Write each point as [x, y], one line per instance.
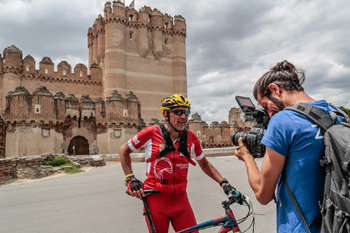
[245, 102]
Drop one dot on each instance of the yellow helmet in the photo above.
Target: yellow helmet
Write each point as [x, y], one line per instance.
[175, 101]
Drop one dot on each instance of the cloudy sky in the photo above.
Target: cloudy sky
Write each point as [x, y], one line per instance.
[230, 43]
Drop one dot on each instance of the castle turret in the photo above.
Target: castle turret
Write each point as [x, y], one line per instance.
[46, 67]
[87, 107]
[142, 32]
[226, 134]
[19, 105]
[29, 65]
[157, 33]
[1, 62]
[115, 56]
[100, 39]
[60, 107]
[12, 68]
[179, 56]
[90, 46]
[80, 71]
[42, 104]
[100, 111]
[64, 69]
[215, 133]
[196, 125]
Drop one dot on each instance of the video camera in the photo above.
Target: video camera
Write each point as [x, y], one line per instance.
[252, 140]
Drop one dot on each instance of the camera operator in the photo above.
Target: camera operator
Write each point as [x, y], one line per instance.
[294, 146]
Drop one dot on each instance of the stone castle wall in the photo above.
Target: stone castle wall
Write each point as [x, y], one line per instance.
[219, 134]
[42, 122]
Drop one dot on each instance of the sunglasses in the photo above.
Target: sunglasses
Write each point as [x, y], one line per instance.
[179, 112]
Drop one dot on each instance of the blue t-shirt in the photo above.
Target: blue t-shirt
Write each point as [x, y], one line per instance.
[301, 141]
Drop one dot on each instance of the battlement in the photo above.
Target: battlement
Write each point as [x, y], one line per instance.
[43, 106]
[13, 63]
[118, 12]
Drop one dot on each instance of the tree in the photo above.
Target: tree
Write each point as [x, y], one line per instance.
[347, 111]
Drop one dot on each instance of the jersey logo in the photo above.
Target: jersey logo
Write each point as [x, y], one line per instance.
[182, 166]
[164, 166]
[136, 140]
[318, 135]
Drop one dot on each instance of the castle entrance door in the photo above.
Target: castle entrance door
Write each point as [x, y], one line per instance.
[78, 146]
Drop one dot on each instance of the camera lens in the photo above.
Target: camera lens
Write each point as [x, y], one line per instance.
[238, 135]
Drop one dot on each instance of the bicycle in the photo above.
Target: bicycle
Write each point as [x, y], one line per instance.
[228, 221]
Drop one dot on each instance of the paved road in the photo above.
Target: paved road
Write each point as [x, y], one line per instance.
[94, 201]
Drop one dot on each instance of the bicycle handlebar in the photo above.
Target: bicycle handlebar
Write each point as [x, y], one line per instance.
[146, 191]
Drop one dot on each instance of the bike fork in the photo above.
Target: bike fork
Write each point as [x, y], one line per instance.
[147, 213]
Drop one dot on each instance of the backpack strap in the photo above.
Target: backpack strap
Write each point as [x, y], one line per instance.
[183, 146]
[169, 146]
[168, 143]
[315, 114]
[295, 203]
[340, 113]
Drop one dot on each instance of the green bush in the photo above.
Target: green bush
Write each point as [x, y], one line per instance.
[57, 161]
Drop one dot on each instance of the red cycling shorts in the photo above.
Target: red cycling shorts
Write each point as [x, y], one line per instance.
[170, 208]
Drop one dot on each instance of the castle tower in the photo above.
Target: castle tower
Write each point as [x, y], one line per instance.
[115, 56]
[100, 34]
[179, 56]
[157, 33]
[90, 36]
[140, 51]
[142, 32]
[12, 68]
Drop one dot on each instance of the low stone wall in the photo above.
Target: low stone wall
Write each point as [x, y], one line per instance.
[210, 152]
[30, 167]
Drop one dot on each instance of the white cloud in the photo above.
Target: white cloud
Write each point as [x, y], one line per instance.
[230, 43]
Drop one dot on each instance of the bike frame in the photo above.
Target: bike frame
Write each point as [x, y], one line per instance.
[228, 221]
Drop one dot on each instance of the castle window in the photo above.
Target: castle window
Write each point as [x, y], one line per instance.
[166, 25]
[166, 41]
[27, 68]
[125, 113]
[81, 73]
[131, 18]
[46, 71]
[131, 35]
[64, 72]
[219, 137]
[204, 137]
[37, 108]
[198, 133]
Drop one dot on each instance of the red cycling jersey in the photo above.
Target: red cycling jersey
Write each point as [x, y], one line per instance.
[167, 174]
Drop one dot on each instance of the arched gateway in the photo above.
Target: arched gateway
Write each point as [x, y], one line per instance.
[78, 146]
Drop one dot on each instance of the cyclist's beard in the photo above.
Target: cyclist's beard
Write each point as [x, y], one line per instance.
[279, 104]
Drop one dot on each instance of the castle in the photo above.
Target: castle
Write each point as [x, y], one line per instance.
[136, 58]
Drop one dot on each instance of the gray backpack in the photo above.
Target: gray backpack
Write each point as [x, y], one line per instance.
[335, 208]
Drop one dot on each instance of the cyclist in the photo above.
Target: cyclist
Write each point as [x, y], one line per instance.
[169, 148]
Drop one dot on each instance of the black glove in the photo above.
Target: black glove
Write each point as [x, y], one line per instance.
[133, 184]
[228, 188]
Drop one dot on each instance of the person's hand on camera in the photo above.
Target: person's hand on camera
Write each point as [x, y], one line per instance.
[241, 152]
[134, 187]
